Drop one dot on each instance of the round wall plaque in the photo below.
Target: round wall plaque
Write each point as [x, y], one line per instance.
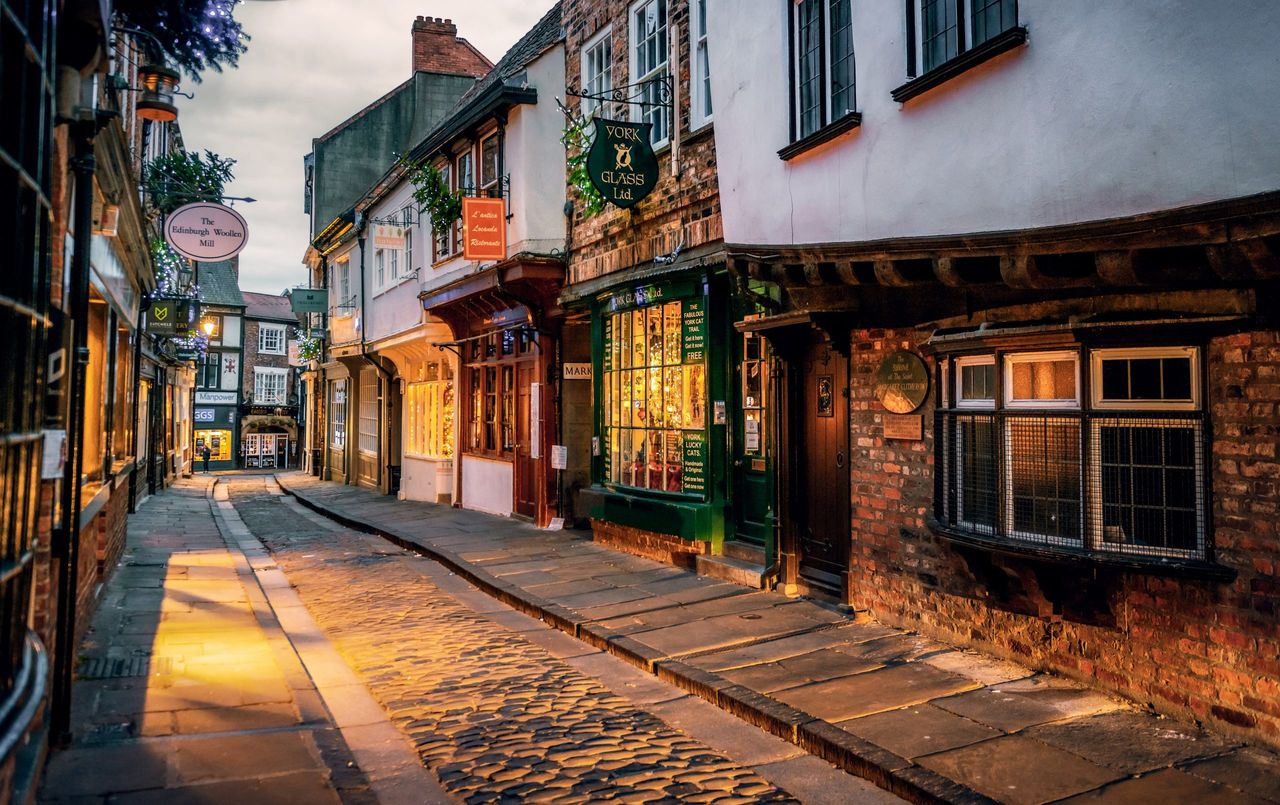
[902, 382]
[206, 232]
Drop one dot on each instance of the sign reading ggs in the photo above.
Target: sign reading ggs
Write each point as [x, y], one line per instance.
[621, 162]
[206, 232]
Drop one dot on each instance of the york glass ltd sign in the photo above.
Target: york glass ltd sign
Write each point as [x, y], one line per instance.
[206, 232]
[621, 162]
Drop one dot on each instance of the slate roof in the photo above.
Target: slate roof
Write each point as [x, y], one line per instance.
[220, 284]
[268, 306]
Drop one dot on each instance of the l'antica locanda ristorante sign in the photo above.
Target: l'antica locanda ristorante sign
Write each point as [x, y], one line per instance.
[621, 162]
[206, 232]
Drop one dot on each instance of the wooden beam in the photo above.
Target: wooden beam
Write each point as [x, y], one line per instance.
[1116, 268]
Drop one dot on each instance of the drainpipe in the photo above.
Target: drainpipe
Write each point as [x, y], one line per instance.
[66, 545]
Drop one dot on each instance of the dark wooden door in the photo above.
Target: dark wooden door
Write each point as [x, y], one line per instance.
[525, 485]
[822, 464]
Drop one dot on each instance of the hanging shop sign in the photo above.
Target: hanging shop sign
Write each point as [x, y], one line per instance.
[186, 354]
[621, 162]
[168, 316]
[484, 229]
[309, 300]
[206, 232]
[902, 382]
[388, 237]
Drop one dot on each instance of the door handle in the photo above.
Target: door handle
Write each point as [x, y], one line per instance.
[840, 459]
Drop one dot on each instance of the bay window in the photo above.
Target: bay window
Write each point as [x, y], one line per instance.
[1093, 450]
[429, 407]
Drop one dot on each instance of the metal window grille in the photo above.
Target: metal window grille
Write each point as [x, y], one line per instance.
[27, 98]
[1132, 483]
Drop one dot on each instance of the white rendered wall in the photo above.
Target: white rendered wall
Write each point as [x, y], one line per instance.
[343, 323]
[487, 485]
[395, 308]
[1111, 109]
[535, 161]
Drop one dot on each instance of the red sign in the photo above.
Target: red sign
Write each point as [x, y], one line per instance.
[484, 229]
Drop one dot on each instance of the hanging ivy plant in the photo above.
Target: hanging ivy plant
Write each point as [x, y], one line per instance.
[431, 192]
[577, 138]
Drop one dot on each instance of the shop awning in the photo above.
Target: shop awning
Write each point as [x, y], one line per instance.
[521, 290]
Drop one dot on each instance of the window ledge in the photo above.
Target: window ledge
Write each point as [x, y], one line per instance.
[825, 134]
[1155, 566]
[1008, 40]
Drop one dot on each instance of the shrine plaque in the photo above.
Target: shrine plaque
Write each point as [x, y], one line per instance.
[904, 426]
[902, 382]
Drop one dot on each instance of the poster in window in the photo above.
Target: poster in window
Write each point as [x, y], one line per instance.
[695, 462]
[694, 344]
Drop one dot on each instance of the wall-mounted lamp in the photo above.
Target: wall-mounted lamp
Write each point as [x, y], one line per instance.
[159, 84]
[209, 326]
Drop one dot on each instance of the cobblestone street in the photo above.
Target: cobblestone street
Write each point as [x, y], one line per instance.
[503, 708]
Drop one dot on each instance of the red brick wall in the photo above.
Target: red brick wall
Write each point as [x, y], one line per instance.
[660, 547]
[681, 209]
[1194, 648]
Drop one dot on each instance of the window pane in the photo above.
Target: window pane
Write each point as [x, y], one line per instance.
[1146, 379]
[808, 67]
[842, 77]
[1044, 477]
[992, 17]
[976, 497]
[1044, 380]
[939, 32]
[1149, 484]
[978, 382]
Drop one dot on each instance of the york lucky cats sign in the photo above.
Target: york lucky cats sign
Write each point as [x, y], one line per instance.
[621, 162]
[206, 232]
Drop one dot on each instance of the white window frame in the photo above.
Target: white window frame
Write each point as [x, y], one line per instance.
[279, 330]
[443, 238]
[406, 218]
[379, 269]
[338, 424]
[663, 68]
[343, 270]
[974, 360]
[699, 95]
[600, 83]
[483, 182]
[260, 374]
[1012, 359]
[368, 413]
[1097, 356]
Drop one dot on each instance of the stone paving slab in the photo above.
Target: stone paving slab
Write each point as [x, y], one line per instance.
[917, 717]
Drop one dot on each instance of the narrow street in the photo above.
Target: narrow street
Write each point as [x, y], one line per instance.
[210, 674]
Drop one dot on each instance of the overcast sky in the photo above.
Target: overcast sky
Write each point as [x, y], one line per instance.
[312, 64]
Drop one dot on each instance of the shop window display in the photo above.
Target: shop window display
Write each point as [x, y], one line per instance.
[655, 397]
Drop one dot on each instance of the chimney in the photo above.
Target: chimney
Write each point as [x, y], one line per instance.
[437, 48]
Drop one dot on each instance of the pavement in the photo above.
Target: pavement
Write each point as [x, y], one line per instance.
[923, 720]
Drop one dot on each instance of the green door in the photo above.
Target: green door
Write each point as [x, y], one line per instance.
[753, 451]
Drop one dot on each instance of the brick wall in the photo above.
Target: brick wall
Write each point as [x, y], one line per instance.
[437, 48]
[682, 209]
[253, 358]
[660, 547]
[1204, 649]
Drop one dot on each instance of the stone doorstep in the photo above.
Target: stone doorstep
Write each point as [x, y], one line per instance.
[853, 754]
[727, 568]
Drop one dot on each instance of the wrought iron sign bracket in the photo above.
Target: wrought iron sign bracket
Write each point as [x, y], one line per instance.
[633, 94]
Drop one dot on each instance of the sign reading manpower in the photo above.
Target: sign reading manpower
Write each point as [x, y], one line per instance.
[206, 232]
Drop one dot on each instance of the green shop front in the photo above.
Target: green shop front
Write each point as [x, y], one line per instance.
[675, 420]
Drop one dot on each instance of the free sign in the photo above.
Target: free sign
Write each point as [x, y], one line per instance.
[206, 232]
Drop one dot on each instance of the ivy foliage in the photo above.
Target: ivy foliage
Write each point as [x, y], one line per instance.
[577, 138]
[181, 177]
[196, 35]
[431, 192]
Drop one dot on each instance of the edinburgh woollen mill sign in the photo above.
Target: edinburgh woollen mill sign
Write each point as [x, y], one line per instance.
[621, 162]
[206, 232]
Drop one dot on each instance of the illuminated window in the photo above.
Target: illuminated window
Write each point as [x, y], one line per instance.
[429, 406]
[655, 397]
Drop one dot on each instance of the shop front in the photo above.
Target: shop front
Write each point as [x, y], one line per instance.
[427, 383]
[662, 434]
[216, 426]
[268, 442]
[504, 323]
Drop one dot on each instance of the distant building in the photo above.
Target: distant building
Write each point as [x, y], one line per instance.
[216, 414]
[269, 402]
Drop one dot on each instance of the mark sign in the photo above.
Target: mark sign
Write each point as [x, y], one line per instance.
[206, 232]
[484, 229]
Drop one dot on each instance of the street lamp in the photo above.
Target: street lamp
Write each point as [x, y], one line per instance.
[209, 326]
